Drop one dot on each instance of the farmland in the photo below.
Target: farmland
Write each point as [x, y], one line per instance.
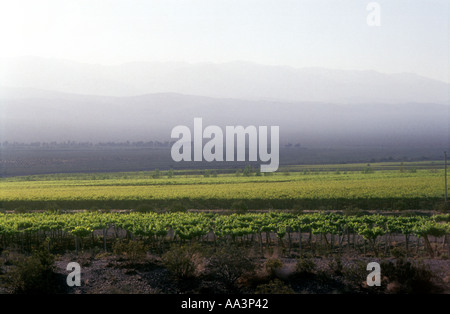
[154, 228]
[181, 229]
[356, 185]
[185, 252]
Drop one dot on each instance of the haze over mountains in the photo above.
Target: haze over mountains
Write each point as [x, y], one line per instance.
[242, 80]
[54, 100]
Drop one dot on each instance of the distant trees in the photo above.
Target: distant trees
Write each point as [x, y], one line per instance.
[248, 171]
[75, 144]
[156, 174]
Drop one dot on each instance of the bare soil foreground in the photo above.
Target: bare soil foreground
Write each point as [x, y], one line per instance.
[109, 274]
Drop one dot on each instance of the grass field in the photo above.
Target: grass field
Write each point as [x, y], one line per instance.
[381, 186]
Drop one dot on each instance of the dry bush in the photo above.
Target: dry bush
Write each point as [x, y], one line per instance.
[34, 274]
[183, 261]
[275, 286]
[134, 250]
[230, 264]
[272, 265]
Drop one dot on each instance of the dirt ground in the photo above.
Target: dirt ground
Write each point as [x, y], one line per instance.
[110, 274]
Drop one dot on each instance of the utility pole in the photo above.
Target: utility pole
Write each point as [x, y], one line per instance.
[445, 175]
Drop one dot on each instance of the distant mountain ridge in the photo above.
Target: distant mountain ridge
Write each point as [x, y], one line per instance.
[240, 80]
[34, 115]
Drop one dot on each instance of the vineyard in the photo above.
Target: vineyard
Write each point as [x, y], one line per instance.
[290, 232]
[315, 190]
[152, 224]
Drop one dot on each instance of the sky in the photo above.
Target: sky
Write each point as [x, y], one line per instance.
[413, 35]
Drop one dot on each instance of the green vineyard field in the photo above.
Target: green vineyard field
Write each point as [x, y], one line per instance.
[25, 230]
[316, 190]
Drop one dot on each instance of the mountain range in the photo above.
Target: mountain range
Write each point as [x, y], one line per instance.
[56, 100]
[240, 80]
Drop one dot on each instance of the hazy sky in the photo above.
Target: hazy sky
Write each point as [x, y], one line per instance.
[413, 35]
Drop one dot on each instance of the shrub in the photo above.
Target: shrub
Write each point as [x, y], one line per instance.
[183, 261]
[272, 265]
[156, 174]
[355, 275]
[275, 286]
[335, 266]
[305, 265]
[134, 250]
[34, 274]
[230, 264]
[398, 252]
[247, 171]
[405, 277]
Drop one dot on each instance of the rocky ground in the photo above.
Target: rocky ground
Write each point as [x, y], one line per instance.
[110, 274]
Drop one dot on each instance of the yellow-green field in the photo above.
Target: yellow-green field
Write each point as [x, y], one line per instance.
[374, 189]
